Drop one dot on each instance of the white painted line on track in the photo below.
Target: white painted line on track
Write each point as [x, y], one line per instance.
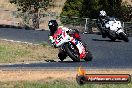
[9, 40]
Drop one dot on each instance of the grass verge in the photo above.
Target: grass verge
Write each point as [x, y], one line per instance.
[11, 52]
[54, 79]
[59, 83]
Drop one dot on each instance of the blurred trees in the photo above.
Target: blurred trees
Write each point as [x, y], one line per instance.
[91, 8]
[72, 8]
[32, 7]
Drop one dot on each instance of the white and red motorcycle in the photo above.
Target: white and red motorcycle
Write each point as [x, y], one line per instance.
[72, 47]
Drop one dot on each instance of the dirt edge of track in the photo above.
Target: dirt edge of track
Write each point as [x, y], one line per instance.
[48, 75]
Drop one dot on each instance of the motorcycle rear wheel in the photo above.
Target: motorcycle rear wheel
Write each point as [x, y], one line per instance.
[75, 56]
[112, 38]
[111, 35]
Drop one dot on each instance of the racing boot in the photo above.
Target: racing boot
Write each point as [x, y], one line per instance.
[62, 55]
[103, 33]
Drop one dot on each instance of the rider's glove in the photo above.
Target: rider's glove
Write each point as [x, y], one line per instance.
[53, 44]
[51, 39]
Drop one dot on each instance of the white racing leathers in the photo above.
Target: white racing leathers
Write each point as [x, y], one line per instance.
[114, 30]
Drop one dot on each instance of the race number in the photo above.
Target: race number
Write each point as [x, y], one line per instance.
[59, 38]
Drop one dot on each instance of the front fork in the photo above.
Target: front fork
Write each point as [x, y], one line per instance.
[120, 31]
[62, 49]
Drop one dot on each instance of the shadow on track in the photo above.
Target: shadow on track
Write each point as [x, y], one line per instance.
[52, 61]
[70, 61]
[105, 40]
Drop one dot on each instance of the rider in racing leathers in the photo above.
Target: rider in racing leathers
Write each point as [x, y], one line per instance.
[103, 18]
[54, 29]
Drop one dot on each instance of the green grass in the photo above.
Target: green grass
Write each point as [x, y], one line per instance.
[44, 44]
[11, 52]
[60, 84]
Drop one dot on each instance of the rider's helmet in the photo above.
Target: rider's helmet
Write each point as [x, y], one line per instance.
[53, 25]
[102, 14]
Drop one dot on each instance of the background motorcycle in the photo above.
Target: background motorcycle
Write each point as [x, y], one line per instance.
[72, 47]
[114, 30]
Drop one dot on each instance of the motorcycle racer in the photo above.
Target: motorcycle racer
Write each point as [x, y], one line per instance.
[102, 19]
[55, 29]
[111, 27]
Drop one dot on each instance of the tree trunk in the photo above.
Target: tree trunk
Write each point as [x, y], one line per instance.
[35, 20]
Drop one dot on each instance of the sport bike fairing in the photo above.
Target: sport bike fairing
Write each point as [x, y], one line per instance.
[114, 25]
[62, 37]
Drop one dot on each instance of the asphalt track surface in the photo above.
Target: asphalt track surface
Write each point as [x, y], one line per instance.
[106, 54]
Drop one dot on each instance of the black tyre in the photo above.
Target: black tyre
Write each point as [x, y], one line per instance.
[112, 38]
[112, 35]
[124, 37]
[89, 56]
[72, 52]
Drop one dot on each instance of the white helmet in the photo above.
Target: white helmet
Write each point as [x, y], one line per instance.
[102, 13]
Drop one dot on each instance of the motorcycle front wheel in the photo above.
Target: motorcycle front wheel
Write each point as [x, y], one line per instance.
[72, 52]
[111, 35]
[88, 57]
[124, 37]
